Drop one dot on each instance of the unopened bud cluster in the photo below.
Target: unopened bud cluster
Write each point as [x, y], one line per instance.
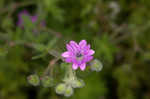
[64, 89]
[34, 80]
[78, 84]
[67, 88]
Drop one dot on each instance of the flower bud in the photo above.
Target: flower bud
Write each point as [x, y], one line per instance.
[47, 81]
[96, 65]
[60, 88]
[34, 80]
[78, 84]
[68, 91]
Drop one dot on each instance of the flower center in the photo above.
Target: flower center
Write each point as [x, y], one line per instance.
[79, 56]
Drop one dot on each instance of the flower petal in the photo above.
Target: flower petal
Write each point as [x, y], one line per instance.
[69, 48]
[82, 43]
[74, 66]
[65, 54]
[24, 12]
[34, 18]
[87, 59]
[86, 49]
[74, 45]
[88, 46]
[91, 52]
[82, 66]
[68, 60]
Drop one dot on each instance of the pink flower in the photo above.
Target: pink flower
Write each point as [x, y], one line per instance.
[33, 18]
[78, 54]
[20, 20]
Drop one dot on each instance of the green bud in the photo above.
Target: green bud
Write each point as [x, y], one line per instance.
[47, 81]
[34, 80]
[96, 65]
[60, 88]
[78, 84]
[68, 91]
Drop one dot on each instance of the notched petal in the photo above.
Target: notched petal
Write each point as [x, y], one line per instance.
[88, 46]
[82, 43]
[89, 58]
[74, 45]
[65, 54]
[82, 66]
[74, 66]
[69, 48]
[91, 52]
[68, 60]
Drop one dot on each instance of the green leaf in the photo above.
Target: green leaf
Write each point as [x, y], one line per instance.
[51, 43]
[40, 47]
[39, 56]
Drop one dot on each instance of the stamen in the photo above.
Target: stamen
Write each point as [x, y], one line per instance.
[78, 55]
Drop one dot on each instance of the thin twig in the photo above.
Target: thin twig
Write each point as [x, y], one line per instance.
[58, 34]
[55, 54]
[50, 68]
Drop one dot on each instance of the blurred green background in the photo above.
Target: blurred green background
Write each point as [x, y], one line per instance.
[118, 31]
